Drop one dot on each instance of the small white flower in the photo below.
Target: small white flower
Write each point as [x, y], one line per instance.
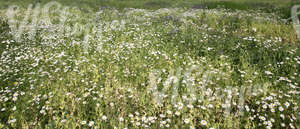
[169, 112]
[168, 120]
[177, 113]
[262, 118]
[121, 119]
[112, 104]
[272, 110]
[190, 106]
[137, 123]
[12, 121]
[287, 104]
[272, 120]
[104, 117]
[186, 120]
[162, 116]
[14, 108]
[281, 109]
[42, 111]
[269, 123]
[91, 123]
[15, 98]
[63, 121]
[167, 125]
[265, 106]
[203, 122]
[209, 48]
[282, 116]
[268, 73]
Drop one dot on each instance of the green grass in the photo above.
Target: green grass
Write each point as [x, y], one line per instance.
[242, 57]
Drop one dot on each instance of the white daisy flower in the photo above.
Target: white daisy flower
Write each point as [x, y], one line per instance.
[203, 122]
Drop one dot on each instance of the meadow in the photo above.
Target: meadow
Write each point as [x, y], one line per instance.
[117, 64]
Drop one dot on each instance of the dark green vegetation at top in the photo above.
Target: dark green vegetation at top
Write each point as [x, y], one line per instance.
[282, 7]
